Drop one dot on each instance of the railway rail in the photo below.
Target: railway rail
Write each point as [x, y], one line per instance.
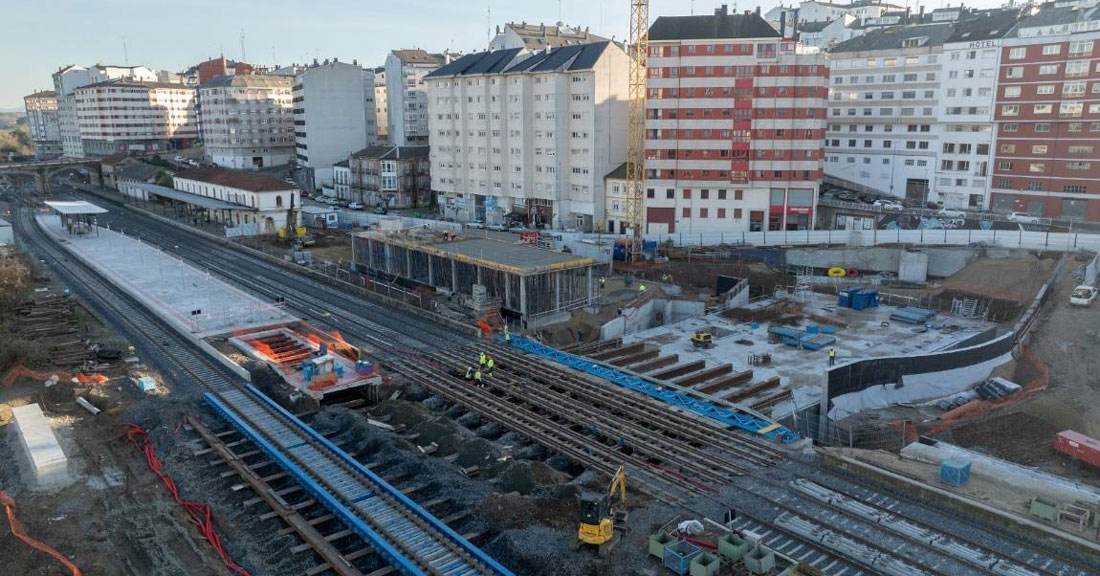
[353, 316]
[411, 539]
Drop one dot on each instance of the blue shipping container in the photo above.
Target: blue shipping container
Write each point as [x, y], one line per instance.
[955, 472]
[678, 556]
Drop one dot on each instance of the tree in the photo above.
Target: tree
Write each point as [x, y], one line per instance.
[164, 179]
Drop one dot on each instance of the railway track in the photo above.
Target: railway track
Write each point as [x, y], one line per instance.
[574, 396]
[409, 538]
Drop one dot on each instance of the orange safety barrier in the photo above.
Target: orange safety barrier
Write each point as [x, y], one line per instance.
[21, 370]
[18, 532]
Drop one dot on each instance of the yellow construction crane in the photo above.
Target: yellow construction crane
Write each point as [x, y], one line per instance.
[598, 515]
[635, 144]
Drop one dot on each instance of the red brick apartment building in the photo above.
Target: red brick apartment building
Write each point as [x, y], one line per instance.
[735, 126]
[1046, 160]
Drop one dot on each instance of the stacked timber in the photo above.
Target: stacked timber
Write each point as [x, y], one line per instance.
[50, 322]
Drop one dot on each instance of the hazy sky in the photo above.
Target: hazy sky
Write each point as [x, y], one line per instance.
[43, 36]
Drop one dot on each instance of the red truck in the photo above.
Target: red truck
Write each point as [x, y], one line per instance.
[1078, 446]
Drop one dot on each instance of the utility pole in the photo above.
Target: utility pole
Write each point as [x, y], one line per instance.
[243, 57]
[125, 52]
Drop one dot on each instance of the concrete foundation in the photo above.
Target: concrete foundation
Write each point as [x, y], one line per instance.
[46, 462]
[941, 262]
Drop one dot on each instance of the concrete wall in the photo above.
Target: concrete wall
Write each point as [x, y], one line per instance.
[643, 317]
[942, 262]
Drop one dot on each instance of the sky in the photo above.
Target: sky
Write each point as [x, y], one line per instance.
[57, 33]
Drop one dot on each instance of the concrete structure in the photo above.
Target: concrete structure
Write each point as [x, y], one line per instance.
[191, 300]
[528, 136]
[529, 282]
[46, 461]
[68, 79]
[270, 199]
[1048, 115]
[381, 107]
[7, 233]
[539, 37]
[407, 95]
[334, 116]
[247, 121]
[735, 123]
[43, 124]
[390, 176]
[122, 116]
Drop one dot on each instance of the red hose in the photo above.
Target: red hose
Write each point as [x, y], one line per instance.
[18, 532]
[200, 512]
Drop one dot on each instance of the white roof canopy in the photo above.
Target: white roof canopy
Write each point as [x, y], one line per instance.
[75, 207]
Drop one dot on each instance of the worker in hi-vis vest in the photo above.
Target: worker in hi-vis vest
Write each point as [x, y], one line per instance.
[832, 356]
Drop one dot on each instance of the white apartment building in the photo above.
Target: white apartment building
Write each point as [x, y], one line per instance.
[971, 60]
[528, 136]
[341, 179]
[43, 124]
[263, 200]
[123, 116]
[537, 37]
[818, 11]
[884, 97]
[247, 121]
[826, 34]
[381, 107]
[333, 116]
[407, 95]
[68, 79]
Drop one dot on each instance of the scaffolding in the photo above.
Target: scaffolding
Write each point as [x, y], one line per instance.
[528, 281]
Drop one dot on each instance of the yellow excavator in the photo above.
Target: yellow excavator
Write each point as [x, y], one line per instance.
[598, 515]
[702, 339]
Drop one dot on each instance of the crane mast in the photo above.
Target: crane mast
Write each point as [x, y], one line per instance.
[635, 160]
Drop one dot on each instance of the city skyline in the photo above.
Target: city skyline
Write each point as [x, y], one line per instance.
[92, 34]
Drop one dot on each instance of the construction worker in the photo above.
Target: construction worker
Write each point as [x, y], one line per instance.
[489, 364]
[470, 373]
[477, 378]
[602, 282]
[481, 359]
[507, 335]
[641, 288]
[832, 356]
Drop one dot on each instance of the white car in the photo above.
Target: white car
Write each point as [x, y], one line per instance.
[888, 205]
[1082, 295]
[179, 159]
[355, 206]
[478, 224]
[1023, 218]
[951, 213]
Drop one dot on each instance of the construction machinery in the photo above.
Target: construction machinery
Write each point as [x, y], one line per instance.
[635, 142]
[702, 339]
[599, 515]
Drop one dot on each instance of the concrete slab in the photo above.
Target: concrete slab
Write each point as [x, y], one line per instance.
[46, 461]
[165, 283]
[859, 334]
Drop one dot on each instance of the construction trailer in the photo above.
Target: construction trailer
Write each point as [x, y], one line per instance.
[533, 285]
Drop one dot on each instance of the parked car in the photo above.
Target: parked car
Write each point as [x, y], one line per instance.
[380, 210]
[885, 204]
[951, 213]
[192, 163]
[516, 229]
[355, 205]
[479, 224]
[1082, 295]
[497, 227]
[1023, 218]
[179, 159]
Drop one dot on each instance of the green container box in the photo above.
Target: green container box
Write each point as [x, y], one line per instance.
[732, 547]
[760, 560]
[1043, 508]
[657, 543]
[704, 565]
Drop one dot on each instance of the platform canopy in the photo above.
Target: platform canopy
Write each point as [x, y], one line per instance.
[189, 198]
[72, 208]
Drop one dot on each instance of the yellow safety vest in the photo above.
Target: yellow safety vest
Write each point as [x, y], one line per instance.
[491, 363]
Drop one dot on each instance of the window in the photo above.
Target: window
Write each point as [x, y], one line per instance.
[1015, 72]
[1077, 68]
[1036, 167]
[1017, 53]
[650, 193]
[1048, 69]
[1003, 165]
[1010, 110]
[1042, 127]
[704, 194]
[1080, 149]
[1008, 148]
[1045, 89]
[1012, 91]
[687, 193]
[1080, 48]
[1010, 127]
[721, 194]
[686, 212]
[670, 194]
[1075, 88]
[1078, 165]
[1039, 149]
[1052, 49]
[1040, 109]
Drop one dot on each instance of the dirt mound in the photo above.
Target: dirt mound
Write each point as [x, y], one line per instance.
[1016, 436]
[540, 550]
[524, 476]
[512, 511]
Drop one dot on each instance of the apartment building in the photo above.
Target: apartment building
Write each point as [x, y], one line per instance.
[388, 176]
[43, 124]
[333, 116]
[1048, 115]
[537, 37]
[735, 121]
[206, 71]
[123, 116]
[883, 131]
[247, 121]
[407, 95]
[965, 112]
[828, 33]
[381, 107]
[528, 136]
[67, 79]
[791, 18]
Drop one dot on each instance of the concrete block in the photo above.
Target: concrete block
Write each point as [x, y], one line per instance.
[46, 462]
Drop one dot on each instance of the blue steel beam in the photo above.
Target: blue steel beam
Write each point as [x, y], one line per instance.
[492, 566]
[722, 414]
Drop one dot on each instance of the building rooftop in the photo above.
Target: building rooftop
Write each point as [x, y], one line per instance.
[138, 171]
[250, 181]
[513, 257]
[419, 57]
[571, 58]
[341, 164]
[248, 81]
[619, 173]
[71, 208]
[123, 83]
[42, 94]
[189, 198]
[714, 26]
[541, 36]
[812, 27]
[478, 63]
[984, 25]
[897, 37]
[393, 152]
[1057, 14]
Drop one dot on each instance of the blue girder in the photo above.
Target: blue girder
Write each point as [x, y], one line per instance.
[722, 414]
